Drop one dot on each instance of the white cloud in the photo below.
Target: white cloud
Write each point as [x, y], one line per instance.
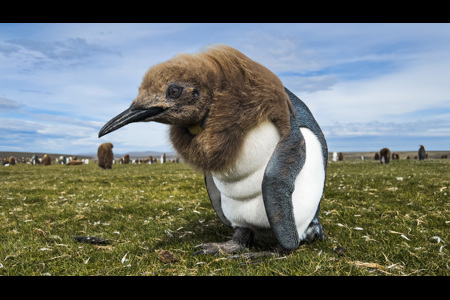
[424, 84]
[309, 84]
[8, 105]
[280, 54]
[430, 128]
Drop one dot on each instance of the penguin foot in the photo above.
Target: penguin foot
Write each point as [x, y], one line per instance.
[314, 232]
[277, 252]
[242, 239]
[228, 247]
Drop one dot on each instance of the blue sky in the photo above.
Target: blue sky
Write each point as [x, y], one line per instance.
[368, 85]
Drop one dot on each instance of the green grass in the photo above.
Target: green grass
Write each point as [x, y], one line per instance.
[391, 220]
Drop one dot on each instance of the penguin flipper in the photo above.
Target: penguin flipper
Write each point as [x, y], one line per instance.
[215, 198]
[281, 172]
[278, 185]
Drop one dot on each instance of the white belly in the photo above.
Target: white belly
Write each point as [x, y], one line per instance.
[240, 189]
[241, 193]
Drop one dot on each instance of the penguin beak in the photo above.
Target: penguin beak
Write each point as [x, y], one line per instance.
[130, 115]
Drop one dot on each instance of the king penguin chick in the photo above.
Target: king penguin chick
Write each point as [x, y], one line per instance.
[262, 152]
[421, 152]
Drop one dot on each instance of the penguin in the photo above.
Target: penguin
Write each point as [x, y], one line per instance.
[421, 152]
[335, 156]
[385, 155]
[263, 155]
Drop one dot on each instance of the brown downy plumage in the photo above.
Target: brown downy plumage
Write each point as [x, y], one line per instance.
[105, 155]
[237, 95]
[211, 100]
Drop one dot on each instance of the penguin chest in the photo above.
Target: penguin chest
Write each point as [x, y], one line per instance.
[241, 188]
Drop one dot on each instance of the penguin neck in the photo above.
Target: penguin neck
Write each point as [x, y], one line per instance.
[214, 152]
[203, 148]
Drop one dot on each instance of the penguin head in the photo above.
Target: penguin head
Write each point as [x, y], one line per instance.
[175, 92]
[210, 100]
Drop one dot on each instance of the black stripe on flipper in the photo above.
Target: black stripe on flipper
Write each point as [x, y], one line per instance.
[215, 197]
[279, 183]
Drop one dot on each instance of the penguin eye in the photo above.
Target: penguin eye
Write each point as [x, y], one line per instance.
[174, 91]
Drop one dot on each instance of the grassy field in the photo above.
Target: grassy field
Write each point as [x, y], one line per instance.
[383, 220]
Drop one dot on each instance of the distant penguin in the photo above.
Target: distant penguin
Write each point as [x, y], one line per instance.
[105, 155]
[47, 160]
[335, 156]
[35, 159]
[385, 155]
[422, 154]
[262, 152]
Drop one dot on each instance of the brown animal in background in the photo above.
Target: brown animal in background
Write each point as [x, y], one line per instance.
[422, 154]
[126, 159]
[385, 155]
[377, 156]
[47, 160]
[395, 156]
[105, 155]
[444, 156]
[74, 162]
[341, 156]
[12, 160]
[148, 160]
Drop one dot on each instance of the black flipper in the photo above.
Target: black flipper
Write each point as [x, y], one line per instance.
[214, 196]
[281, 172]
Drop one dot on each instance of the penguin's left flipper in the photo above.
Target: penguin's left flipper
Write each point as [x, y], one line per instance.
[278, 185]
[215, 198]
[280, 177]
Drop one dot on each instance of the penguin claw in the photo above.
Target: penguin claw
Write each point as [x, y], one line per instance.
[248, 256]
[228, 247]
[199, 252]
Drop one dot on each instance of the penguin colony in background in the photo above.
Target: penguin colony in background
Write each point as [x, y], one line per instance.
[262, 152]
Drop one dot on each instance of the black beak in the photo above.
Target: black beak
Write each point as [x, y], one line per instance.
[130, 115]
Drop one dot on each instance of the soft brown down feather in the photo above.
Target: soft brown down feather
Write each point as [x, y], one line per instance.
[241, 94]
